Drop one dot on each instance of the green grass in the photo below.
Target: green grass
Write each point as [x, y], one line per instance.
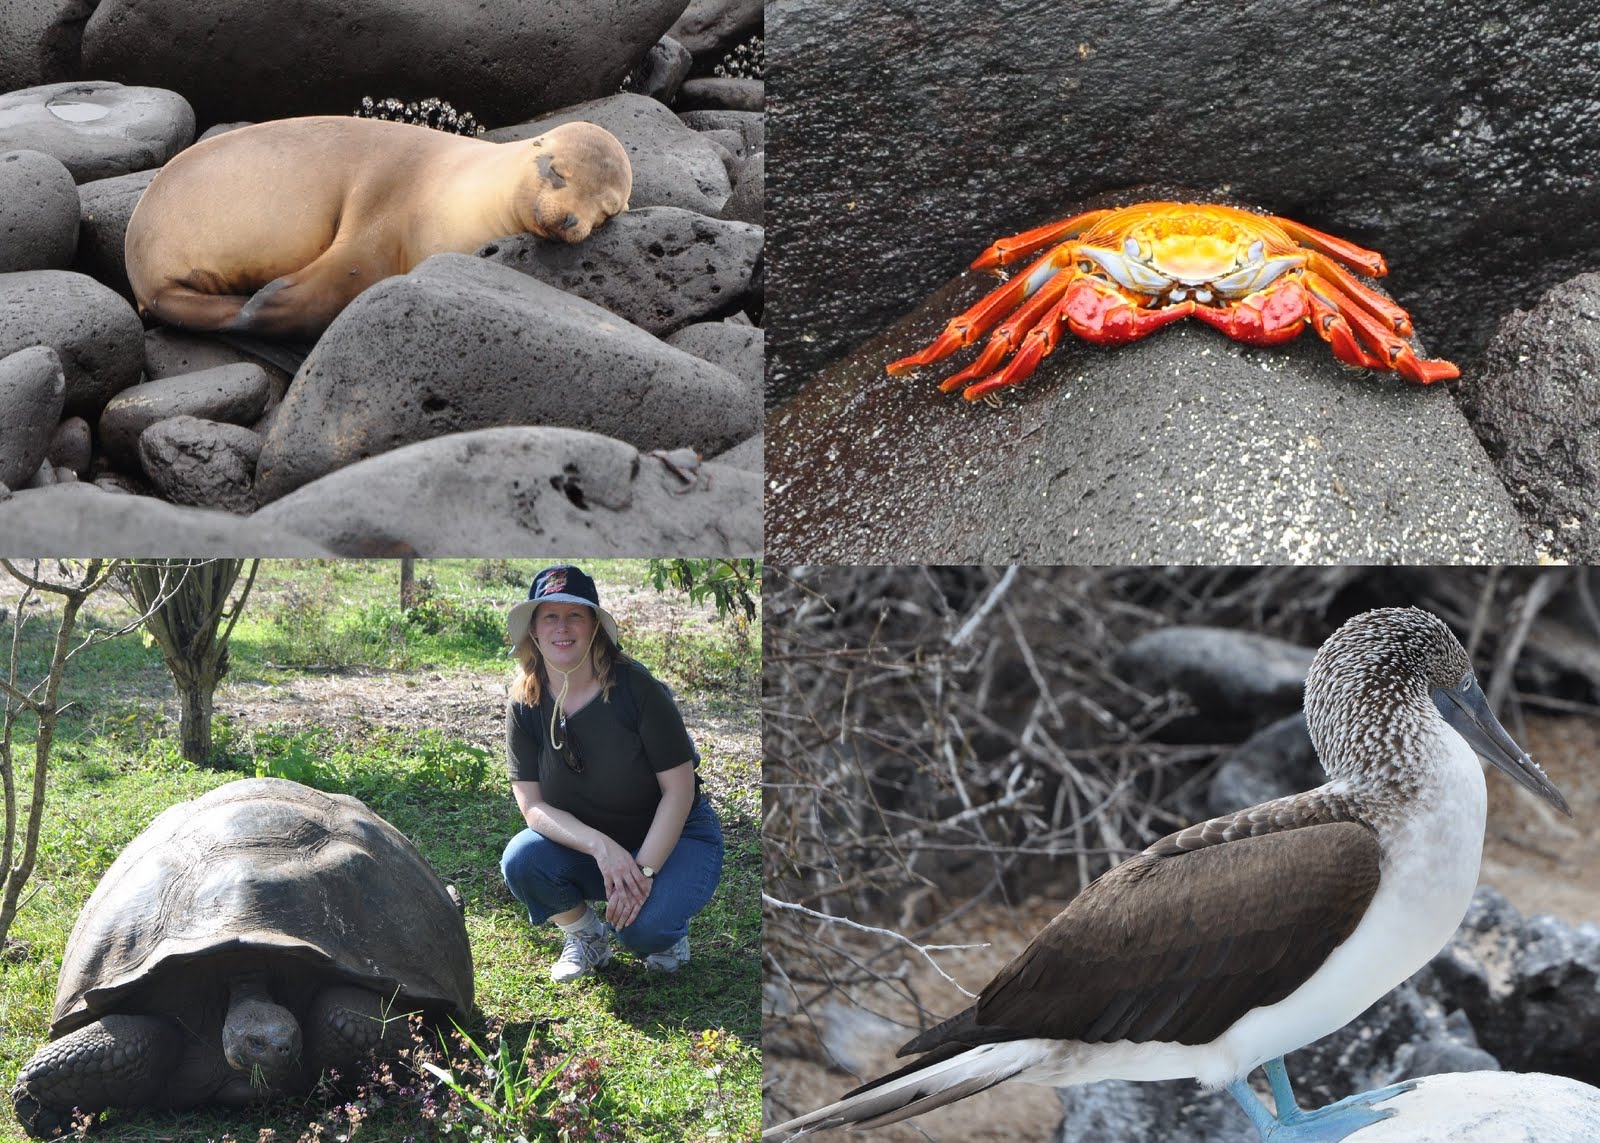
[116, 766]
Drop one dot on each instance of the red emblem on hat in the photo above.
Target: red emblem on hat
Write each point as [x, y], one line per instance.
[555, 581]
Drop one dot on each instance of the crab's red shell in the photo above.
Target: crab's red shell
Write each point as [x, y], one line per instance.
[1112, 276]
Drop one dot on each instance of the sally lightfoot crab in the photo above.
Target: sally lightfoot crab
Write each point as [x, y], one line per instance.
[1113, 276]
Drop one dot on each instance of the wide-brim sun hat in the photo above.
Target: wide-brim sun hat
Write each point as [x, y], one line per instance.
[560, 584]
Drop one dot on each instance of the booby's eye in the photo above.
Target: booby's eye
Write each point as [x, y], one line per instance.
[1466, 682]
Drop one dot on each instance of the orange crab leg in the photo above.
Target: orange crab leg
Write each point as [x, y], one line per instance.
[1094, 310]
[1008, 336]
[1369, 262]
[968, 326]
[1019, 246]
[1372, 301]
[1338, 317]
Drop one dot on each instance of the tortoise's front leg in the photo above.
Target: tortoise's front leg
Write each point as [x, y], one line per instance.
[118, 1061]
[345, 1023]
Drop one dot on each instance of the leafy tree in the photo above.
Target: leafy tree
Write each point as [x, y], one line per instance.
[39, 703]
[727, 583]
[186, 603]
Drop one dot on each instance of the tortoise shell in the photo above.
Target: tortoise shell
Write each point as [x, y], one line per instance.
[313, 886]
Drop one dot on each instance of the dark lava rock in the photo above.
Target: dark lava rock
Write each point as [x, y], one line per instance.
[1237, 682]
[503, 60]
[1185, 447]
[236, 394]
[170, 352]
[72, 446]
[38, 212]
[97, 129]
[93, 330]
[71, 519]
[524, 491]
[1274, 762]
[660, 268]
[748, 201]
[205, 463]
[105, 207]
[738, 348]
[461, 344]
[40, 41]
[663, 71]
[716, 93]
[1530, 987]
[32, 392]
[672, 164]
[711, 28]
[1458, 139]
[751, 127]
[1536, 406]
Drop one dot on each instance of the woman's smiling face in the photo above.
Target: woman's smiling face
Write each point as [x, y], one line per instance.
[563, 632]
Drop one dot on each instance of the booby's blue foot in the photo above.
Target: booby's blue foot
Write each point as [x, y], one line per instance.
[1325, 1124]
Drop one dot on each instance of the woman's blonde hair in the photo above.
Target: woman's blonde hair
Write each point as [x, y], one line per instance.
[532, 678]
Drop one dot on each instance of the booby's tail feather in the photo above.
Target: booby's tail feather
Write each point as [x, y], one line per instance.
[930, 1082]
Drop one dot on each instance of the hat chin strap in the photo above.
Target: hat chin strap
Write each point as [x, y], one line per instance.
[558, 711]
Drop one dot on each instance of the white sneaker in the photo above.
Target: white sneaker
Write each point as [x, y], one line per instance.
[581, 954]
[671, 960]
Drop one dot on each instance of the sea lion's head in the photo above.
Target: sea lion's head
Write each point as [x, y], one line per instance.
[584, 179]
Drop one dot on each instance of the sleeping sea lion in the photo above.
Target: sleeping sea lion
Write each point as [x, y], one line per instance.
[273, 229]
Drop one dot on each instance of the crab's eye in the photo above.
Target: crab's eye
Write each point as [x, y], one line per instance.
[1130, 247]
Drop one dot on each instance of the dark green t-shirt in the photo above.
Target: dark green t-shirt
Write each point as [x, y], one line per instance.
[616, 790]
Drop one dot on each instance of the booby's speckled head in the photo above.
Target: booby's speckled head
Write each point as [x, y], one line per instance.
[1378, 687]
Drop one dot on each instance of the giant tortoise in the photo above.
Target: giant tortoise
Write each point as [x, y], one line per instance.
[242, 945]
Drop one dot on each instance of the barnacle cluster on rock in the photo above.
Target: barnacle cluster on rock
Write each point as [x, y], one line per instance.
[747, 61]
[435, 113]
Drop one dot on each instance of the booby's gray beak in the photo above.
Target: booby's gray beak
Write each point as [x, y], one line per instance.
[1467, 711]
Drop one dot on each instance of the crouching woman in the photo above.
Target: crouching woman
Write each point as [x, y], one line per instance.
[603, 771]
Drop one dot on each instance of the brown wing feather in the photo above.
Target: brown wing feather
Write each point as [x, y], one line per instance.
[1178, 943]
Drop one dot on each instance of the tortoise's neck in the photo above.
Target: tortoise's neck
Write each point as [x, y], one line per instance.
[244, 986]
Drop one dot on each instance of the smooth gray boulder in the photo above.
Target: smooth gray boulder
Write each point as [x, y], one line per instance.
[709, 28]
[736, 347]
[661, 268]
[236, 394]
[748, 203]
[205, 463]
[1491, 1107]
[38, 212]
[1184, 447]
[72, 446]
[502, 60]
[1238, 682]
[32, 392]
[461, 344]
[68, 520]
[105, 205]
[672, 164]
[93, 330]
[523, 491]
[749, 455]
[97, 129]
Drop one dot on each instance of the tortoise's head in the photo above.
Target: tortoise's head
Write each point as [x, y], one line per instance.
[262, 1039]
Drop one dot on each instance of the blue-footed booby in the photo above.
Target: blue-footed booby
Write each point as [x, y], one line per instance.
[1227, 944]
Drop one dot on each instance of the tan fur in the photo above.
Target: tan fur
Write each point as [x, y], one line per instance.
[273, 229]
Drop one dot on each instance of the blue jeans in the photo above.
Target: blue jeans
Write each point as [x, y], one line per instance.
[549, 878]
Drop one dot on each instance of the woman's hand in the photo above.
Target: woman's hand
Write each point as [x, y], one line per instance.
[623, 878]
[623, 909]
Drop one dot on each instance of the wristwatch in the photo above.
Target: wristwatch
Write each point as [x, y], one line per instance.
[647, 871]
